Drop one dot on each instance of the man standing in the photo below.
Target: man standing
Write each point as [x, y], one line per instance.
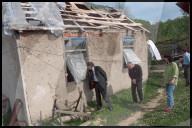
[173, 48]
[135, 73]
[99, 77]
[170, 78]
[186, 47]
[179, 49]
[186, 65]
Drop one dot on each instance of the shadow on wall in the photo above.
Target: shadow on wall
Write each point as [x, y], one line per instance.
[109, 90]
[88, 93]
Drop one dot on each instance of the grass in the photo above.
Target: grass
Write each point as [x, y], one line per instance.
[5, 119]
[123, 108]
[178, 116]
[73, 122]
[153, 62]
[122, 102]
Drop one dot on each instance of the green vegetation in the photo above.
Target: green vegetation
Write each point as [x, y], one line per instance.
[153, 62]
[167, 33]
[122, 102]
[178, 116]
[73, 122]
[162, 31]
[5, 119]
[123, 107]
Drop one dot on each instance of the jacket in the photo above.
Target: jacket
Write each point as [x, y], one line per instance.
[101, 76]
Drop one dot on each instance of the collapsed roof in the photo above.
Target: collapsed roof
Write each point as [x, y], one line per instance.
[78, 15]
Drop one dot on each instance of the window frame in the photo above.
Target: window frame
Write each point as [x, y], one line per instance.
[127, 47]
[84, 51]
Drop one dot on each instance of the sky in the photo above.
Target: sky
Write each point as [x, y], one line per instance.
[150, 11]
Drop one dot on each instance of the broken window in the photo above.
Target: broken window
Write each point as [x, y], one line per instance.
[129, 55]
[76, 57]
[128, 51]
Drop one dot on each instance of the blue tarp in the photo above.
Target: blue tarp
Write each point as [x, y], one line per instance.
[81, 38]
[128, 38]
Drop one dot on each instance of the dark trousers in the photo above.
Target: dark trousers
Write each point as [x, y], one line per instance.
[139, 91]
[187, 74]
[100, 91]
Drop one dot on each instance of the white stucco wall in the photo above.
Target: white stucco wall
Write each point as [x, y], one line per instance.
[42, 63]
[42, 68]
[12, 85]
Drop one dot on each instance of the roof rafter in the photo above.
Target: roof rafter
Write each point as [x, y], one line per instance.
[76, 13]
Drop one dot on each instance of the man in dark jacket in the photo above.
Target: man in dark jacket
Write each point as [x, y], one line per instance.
[135, 73]
[99, 77]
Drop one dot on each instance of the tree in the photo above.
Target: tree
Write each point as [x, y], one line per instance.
[124, 8]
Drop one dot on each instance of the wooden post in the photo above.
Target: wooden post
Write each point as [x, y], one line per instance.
[59, 115]
[73, 113]
[53, 110]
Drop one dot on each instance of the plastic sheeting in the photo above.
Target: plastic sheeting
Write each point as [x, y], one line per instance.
[49, 13]
[74, 44]
[153, 50]
[13, 15]
[130, 56]
[77, 66]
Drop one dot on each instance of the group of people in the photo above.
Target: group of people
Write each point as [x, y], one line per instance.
[98, 80]
[178, 49]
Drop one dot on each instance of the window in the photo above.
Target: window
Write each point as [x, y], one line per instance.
[129, 55]
[128, 51]
[76, 56]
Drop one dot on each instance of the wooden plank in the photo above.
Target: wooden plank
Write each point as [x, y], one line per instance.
[75, 22]
[102, 22]
[73, 113]
[32, 27]
[91, 17]
[59, 115]
[67, 118]
[80, 95]
[115, 20]
[86, 123]
[139, 26]
[81, 107]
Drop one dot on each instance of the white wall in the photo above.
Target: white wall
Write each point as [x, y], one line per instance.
[12, 86]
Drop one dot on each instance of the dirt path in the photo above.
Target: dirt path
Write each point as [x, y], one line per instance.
[149, 107]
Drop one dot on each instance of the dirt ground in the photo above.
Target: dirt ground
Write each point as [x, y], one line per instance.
[149, 107]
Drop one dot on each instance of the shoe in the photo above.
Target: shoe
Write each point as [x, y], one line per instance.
[167, 109]
[186, 86]
[99, 108]
[111, 109]
[141, 102]
[134, 102]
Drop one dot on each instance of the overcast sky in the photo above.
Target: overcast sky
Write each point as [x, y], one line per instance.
[150, 11]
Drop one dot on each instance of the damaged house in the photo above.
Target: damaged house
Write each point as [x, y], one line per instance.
[45, 41]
